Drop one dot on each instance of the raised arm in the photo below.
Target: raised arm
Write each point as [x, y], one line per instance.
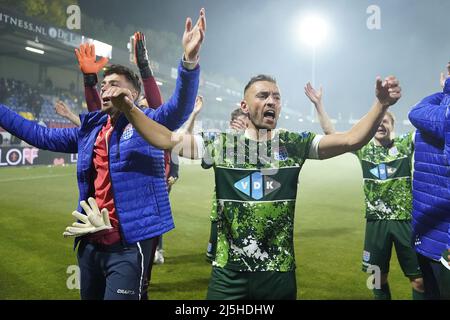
[151, 90]
[445, 76]
[152, 93]
[387, 93]
[64, 111]
[90, 67]
[92, 97]
[188, 127]
[316, 99]
[58, 140]
[177, 110]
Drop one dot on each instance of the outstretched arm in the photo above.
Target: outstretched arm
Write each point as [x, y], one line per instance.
[445, 76]
[387, 93]
[58, 140]
[177, 110]
[316, 99]
[189, 125]
[92, 97]
[64, 111]
[152, 93]
[151, 90]
[90, 67]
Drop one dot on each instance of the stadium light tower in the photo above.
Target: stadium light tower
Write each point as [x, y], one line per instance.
[313, 31]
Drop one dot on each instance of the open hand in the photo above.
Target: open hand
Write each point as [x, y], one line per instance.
[312, 94]
[238, 125]
[93, 221]
[62, 109]
[87, 59]
[193, 37]
[140, 50]
[444, 78]
[198, 104]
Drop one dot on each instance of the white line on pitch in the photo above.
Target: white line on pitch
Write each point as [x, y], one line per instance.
[36, 177]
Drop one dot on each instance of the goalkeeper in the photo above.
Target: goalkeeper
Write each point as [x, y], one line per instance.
[90, 67]
[113, 165]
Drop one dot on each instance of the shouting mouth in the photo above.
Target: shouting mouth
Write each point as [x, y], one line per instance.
[269, 115]
[105, 101]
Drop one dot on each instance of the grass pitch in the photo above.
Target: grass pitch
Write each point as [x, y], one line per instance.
[36, 202]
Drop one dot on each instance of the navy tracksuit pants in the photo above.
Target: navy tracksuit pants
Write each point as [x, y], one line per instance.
[436, 279]
[116, 272]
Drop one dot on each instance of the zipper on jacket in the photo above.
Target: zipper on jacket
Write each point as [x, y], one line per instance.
[123, 239]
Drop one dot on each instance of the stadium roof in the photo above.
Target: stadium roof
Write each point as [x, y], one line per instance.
[18, 32]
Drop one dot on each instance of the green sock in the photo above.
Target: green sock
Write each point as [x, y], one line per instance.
[384, 293]
[416, 295]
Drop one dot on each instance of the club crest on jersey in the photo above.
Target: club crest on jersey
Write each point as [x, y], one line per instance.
[383, 171]
[393, 151]
[257, 186]
[280, 154]
[128, 132]
[366, 256]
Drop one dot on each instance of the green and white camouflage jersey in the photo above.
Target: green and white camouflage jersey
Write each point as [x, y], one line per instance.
[387, 179]
[213, 215]
[256, 188]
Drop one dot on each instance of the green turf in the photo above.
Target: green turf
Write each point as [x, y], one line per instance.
[35, 207]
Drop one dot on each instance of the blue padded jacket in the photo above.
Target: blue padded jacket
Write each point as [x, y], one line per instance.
[136, 168]
[431, 178]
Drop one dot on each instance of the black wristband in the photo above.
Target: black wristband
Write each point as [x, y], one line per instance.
[90, 79]
[146, 72]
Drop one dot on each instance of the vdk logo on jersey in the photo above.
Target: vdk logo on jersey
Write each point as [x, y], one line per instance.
[127, 132]
[382, 171]
[257, 186]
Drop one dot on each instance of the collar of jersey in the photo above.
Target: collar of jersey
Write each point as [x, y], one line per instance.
[274, 134]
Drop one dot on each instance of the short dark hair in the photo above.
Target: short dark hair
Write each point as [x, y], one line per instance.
[132, 77]
[236, 113]
[259, 77]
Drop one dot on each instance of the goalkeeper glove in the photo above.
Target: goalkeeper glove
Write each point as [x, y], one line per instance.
[88, 65]
[141, 55]
[93, 221]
